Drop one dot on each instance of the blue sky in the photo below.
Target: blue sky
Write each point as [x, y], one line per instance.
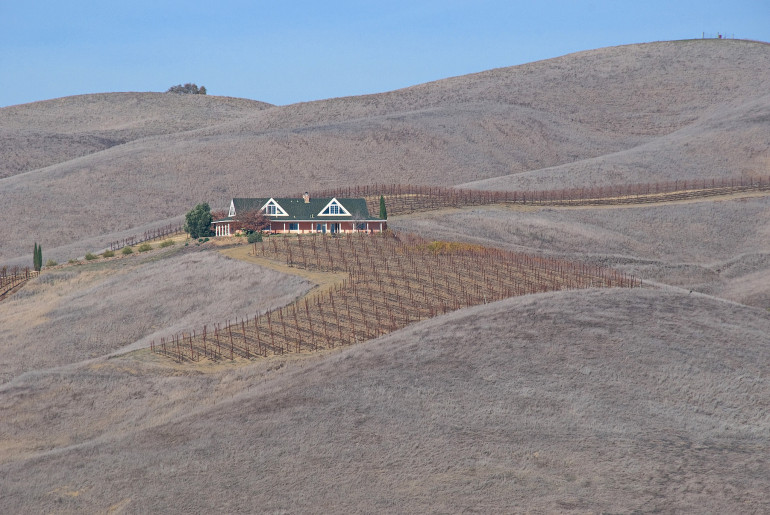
[284, 52]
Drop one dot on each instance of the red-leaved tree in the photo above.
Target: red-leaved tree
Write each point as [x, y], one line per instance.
[251, 221]
[219, 214]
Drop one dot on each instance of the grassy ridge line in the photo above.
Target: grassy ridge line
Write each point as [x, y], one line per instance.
[48, 132]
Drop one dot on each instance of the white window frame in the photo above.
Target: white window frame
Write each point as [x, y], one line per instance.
[336, 203]
[279, 211]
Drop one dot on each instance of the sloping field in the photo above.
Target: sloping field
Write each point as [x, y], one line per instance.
[568, 401]
[615, 400]
[713, 246]
[45, 133]
[525, 119]
[87, 311]
[739, 131]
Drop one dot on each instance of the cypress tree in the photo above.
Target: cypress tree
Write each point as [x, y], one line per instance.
[37, 257]
[383, 211]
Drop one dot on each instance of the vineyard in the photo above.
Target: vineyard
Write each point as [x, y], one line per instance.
[11, 280]
[404, 199]
[392, 281]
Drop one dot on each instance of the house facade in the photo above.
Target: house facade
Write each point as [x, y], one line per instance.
[304, 215]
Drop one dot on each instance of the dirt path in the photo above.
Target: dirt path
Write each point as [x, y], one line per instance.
[650, 201]
[324, 280]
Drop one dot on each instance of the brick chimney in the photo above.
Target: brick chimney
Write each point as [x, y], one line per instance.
[306, 197]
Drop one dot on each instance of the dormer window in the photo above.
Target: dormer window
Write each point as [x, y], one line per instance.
[334, 208]
[272, 208]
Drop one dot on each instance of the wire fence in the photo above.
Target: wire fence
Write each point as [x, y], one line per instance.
[717, 35]
[408, 198]
[14, 277]
[154, 234]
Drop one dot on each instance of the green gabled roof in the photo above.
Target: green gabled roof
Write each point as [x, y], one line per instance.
[298, 209]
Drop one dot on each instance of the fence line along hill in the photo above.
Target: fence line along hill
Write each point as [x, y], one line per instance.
[404, 199]
[153, 234]
[392, 281]
[12, 280]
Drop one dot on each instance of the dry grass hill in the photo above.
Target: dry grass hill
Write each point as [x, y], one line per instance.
[532, 404]
[635, 113]
[54, 131]
[641, 400]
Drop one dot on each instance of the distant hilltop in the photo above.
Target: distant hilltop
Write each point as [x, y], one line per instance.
[640, 113]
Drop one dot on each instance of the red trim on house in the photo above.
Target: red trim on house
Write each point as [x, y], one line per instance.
[326, 226]
[223, 228]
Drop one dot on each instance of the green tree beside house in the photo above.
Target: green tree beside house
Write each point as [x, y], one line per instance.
[198, 221]
[383, 210]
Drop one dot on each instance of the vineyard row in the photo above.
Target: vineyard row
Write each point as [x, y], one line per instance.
[405, 198]
[392, 281]
[9, 280]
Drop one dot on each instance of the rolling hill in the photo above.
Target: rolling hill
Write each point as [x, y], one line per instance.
[54, 131]
[637, 113]
[537, 404]
[600, 400]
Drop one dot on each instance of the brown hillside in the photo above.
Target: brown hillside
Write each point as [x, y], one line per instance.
[651, 399]
[44, 133]
[77, 313]
[492, 124]
[559, 402]
[721, 247]
[730, 142]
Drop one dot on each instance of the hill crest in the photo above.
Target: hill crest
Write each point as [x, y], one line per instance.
[555, 123]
